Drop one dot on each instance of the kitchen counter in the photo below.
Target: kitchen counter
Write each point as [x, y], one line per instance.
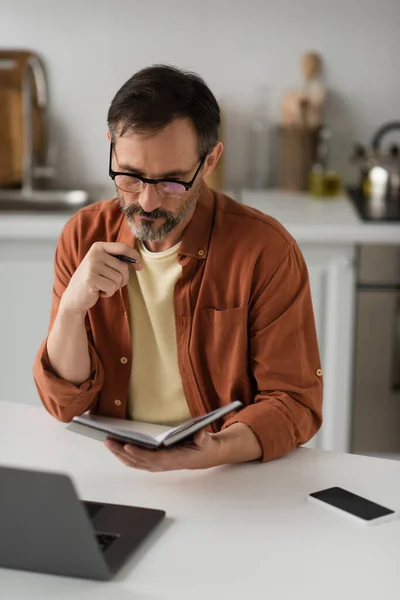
[309, 220]
[35, 226]
[321, 221]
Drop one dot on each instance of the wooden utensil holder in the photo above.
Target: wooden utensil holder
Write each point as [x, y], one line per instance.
[296, 155]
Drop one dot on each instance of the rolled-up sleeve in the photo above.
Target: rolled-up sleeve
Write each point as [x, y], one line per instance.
[63, 399]
[284, 358]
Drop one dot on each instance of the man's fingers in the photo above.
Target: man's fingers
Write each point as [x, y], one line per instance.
[105, 286]
[115, 248]
[112, 274]
[114, 261]
[123, 457]
[112, 445]
[173, 459]
[128, 460]
[119, 267]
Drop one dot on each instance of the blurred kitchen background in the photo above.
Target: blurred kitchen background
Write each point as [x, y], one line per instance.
[310, 99]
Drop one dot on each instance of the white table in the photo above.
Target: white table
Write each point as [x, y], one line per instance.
[233, 532]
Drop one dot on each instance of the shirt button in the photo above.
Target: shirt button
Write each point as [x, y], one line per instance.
[124, 360]
[201, 253]
[117, 402]
[318, 372]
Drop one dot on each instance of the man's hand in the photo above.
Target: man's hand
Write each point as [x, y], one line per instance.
[202, 453]
[99, 274]
[235, 444]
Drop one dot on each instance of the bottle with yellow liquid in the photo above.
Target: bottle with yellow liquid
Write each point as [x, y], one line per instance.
[323, 182]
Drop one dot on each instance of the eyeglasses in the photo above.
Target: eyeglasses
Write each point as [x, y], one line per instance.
[134, 184]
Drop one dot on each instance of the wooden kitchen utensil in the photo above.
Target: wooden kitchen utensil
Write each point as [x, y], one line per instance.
[313, 94]
[313, 90]
[311, 66]
[12, 71]
[301, 112]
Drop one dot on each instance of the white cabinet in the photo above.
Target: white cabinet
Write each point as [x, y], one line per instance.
[332, 279]
[26, 280]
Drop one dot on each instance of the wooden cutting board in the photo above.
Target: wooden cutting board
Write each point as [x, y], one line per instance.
[12, 69]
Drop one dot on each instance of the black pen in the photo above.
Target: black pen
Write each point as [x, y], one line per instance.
[126, 259]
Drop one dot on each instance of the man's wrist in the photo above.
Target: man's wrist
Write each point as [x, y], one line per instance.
[65, 311]
[238, 443]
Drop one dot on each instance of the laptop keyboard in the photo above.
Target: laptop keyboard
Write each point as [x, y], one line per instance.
[105, 539]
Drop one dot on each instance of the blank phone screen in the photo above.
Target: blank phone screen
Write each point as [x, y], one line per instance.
[353, 504]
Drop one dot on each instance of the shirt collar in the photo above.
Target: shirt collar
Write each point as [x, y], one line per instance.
[196, 237]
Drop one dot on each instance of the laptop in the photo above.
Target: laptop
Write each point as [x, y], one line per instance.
[44, 527]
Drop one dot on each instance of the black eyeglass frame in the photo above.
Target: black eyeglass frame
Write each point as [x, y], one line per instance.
[186, 184]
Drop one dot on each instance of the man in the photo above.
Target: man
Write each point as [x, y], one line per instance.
[216, 308]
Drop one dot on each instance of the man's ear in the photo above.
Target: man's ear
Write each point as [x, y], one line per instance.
[213, 158]
[108, 135]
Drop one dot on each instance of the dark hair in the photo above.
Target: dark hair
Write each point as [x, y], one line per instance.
[155, 96]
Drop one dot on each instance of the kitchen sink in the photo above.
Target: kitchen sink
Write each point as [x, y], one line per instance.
[43, 200]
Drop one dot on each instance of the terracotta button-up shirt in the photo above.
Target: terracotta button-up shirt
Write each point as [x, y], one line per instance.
[244, 324]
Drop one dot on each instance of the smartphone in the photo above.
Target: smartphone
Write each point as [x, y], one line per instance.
[353, 506]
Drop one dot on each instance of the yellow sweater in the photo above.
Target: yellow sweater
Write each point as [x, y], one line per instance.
[155, 394]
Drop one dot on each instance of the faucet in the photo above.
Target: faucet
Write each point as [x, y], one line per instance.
[35, 71]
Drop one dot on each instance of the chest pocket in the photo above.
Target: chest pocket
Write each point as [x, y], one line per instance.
[220, 340]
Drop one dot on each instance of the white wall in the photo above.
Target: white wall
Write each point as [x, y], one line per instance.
[91, 47]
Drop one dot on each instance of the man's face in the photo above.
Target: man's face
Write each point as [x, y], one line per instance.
[171, 153]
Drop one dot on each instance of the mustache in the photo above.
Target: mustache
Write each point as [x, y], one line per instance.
[157, 213]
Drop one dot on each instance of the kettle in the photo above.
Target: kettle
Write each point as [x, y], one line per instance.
[379, 170]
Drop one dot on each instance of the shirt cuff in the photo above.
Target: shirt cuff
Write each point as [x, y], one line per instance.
[270, 425]
[61, 398]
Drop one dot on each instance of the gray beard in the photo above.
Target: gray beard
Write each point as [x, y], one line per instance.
[145, 231]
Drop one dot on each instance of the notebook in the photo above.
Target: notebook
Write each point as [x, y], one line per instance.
[146, 435]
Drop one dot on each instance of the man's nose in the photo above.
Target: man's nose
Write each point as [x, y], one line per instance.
[150, 199]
